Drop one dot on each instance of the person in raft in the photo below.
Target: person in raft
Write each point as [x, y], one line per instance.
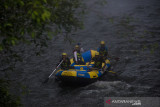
[98, 60]
[103, 50]
[65, 65]
[81, 49]
[77, 56]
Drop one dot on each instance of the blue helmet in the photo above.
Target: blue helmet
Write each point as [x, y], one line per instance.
[79, 44]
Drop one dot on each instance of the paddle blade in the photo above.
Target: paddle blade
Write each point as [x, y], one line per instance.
[46, 80]
[117, 58]
[112, 72]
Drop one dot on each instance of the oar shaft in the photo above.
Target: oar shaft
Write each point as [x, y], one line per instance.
[55, 69]
[51, 73]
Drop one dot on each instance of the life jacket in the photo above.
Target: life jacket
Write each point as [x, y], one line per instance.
[98, 62]
[103, 51]
[79, 56]
[65, 64]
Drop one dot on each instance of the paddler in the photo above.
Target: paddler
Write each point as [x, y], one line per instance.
[77, 56]
[98, 60]
[66, 62]
[103, 50]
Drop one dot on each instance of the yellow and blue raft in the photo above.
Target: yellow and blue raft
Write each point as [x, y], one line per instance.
[81, 73]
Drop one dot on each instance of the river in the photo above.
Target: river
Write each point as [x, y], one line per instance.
[131, 30]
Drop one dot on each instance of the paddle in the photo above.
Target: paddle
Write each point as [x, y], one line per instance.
[115, 58]
[112, 72]
[53, 72]
[92, 68]
[98, 69]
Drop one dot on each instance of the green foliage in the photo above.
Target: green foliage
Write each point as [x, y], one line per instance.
[24, 20]
[6, 99]
[32, 22]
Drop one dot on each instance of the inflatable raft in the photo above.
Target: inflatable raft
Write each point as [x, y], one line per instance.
[81, 73]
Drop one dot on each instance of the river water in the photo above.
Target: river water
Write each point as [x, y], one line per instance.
[131, 30]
